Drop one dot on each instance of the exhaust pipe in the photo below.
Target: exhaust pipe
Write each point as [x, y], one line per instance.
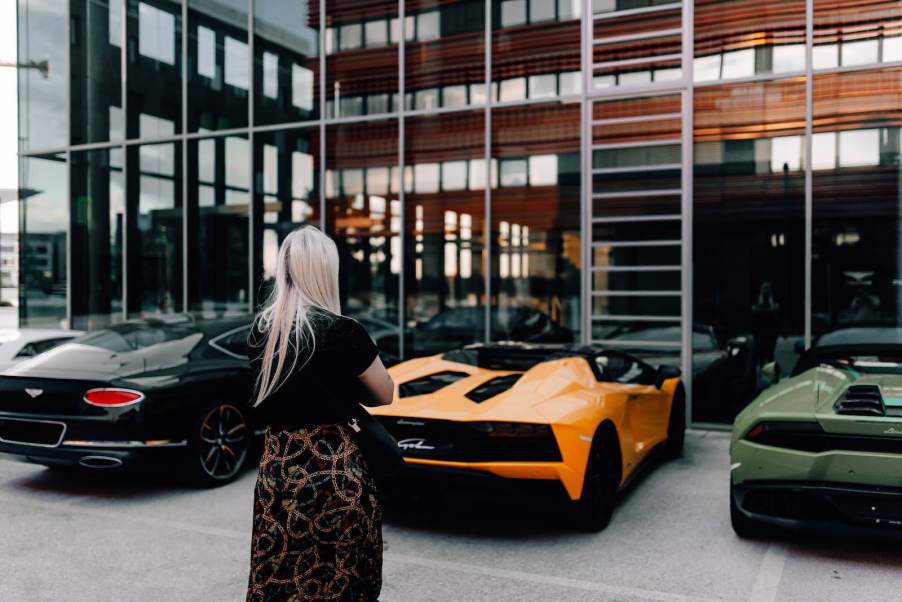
[100, 462]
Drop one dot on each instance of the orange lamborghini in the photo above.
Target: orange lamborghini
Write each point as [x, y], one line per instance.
[580, 419]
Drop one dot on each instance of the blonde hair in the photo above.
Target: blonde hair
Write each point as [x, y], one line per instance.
[306, 279]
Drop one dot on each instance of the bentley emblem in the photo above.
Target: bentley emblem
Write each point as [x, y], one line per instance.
[34, 392]
[414, 444]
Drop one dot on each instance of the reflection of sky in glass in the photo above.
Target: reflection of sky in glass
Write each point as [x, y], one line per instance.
[46, 211]
[45, 122]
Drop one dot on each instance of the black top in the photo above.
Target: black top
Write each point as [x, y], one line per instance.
[325, 389]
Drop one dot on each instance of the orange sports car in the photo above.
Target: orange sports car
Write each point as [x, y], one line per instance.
[581, 419]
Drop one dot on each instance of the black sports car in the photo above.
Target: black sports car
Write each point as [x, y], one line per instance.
[171, 392]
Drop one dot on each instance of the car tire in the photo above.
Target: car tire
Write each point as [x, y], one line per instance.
[593, 510]
[676, 425]
[218, 444]
[743, 526]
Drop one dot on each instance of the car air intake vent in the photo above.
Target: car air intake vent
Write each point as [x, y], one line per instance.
[493, 387]
[861, 400]
[430, 383]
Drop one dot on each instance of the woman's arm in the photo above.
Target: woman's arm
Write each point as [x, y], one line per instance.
[378, 384]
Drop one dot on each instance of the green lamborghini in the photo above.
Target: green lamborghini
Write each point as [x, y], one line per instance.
[822, 449]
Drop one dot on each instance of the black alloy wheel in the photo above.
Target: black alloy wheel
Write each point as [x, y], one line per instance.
[676, 426]
[595, 506]
[219, 444]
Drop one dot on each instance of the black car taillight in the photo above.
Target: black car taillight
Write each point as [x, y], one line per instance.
[783, 433]
[518, 441]
[112, 397]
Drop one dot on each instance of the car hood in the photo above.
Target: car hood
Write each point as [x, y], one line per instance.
[544, 392]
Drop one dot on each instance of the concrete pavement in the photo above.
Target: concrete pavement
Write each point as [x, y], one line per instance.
[85, 537]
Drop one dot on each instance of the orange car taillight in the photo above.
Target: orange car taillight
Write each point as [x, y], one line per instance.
[112, 398]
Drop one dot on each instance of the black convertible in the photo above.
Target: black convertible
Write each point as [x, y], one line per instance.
[171, 392]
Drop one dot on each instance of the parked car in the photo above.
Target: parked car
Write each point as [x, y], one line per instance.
[822, 449]
[724, 374]
[579, 420]
[458, 326]
[18, 345]
[170, 392]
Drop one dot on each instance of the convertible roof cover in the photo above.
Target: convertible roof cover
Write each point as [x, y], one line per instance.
[512, 355]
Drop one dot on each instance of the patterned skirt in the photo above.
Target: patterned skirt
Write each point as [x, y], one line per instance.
[317, 519]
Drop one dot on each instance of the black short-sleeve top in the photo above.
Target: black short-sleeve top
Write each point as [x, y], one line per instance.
[322, 387]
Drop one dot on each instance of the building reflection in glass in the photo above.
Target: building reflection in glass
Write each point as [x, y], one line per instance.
[749, 207]
[363, 213]
[43, 219]
[98, 205]
[154, 229]
[286, 196]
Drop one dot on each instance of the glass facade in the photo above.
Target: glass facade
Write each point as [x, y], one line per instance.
[709, 184]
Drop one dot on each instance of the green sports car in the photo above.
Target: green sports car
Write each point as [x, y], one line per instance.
[822, 449]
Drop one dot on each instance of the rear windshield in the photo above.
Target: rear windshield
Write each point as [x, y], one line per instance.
[130, 337]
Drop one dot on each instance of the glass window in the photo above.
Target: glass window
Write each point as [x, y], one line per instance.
[892, 49]
[155, 73]
[569, 9]
[302, 88]
[748, 160]
[218, 234]
[286, 164]
[513, 172]
[154, 230]
[570, 83]
[370, 68]
[219, 66]
[425, 177]
[859, 52]
[707, 68]
[376, 33]
[859, 148]
[350, 36]
[512, 89]
[543, 170]
[541, 10]
[156, 33]
[738, 63]
[826, 56]
[454, 175]
[270, 75]
[823, 147]
[443, 241]
[425, 99]
[789, 58]
[96, 83]
[535, 236]
[43, 217]
[98, 206]
[377, 103]
[365, 221]
[43, 93]
[543, 86]
[513, 13]
[206, 52]
[454, 96]
[428, 26]
[236, 63]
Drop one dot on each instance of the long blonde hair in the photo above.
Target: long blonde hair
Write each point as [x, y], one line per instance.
[306, 279]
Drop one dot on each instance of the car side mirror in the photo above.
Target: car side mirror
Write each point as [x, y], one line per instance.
[771, 372]
[665, 373]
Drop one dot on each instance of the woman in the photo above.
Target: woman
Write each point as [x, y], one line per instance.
[317, 514]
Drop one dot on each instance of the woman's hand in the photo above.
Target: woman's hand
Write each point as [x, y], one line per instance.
[378, 384]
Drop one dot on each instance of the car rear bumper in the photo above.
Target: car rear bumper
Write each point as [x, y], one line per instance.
[76, 441]
[434, 476]
[837, 508]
